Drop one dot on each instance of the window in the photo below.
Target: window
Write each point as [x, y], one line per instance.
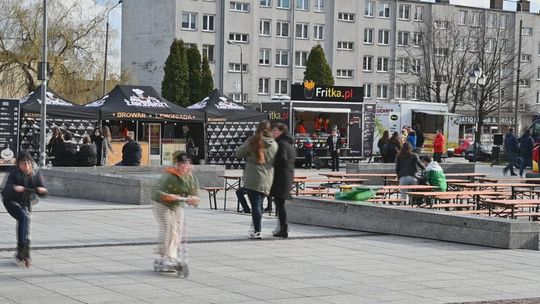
[383, 37]
[318, 31]
[239, 7]
[415, 92]
[461, 44]
[403, 38]
[382, 91]
[189, 21]
[367, 90]
[416, 66]
[368, 36]
[402, 65]
[525, 57]
[537, 97]
[503, 21]
[538, 74]
[370, 9]
[404, 12]
[348, 17]
[300, 59]
[382, 64]
[524, 82]
[283, 3]
[384, 10]
[264, 27]
[344, 73]
[264, 86]
[417, 39]
[302, 5]
[208, 23]
[301, 31]
[282, 29]
[418, 13]
[238, 37]
[208, 51]
[266, 3]
[237, 97]
[491, 20]
[345, 45]
[441, 78]
[491, 45]
[368, 64]
[282, 58]
[235, 67]
[281, 86]
[441, 24]
[264, 57]
[443, 52]
[190, 45]
[319, 5]
[462, 17]
[473, 45]
[402, 91]
[526, 31]
[475, 18]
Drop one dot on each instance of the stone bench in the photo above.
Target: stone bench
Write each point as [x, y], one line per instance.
[414, 222]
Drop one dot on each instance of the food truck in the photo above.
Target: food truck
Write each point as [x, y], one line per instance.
[312, 111]
[394, 116]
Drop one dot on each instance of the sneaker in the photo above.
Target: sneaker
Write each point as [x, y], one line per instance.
[251, 230]
[513, 174]
[256, 235]
[167, 262]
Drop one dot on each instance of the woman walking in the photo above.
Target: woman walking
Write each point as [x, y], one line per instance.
[260, 151]
[406, 166]
[391, 148]
[106, 145]
[283, 175]
[380, 144]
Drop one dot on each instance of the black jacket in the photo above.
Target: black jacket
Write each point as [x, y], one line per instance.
[390, 150]
[330, 143]
[66, 155]
[420, 139]
[406, 166]
[283, 167]
[87, 155]
[17, 178]
[526, 146]
[131, 153]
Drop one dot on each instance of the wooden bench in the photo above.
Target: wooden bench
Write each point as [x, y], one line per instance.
[473, 212]
[390, 201]
[212, 192]
[451, 205]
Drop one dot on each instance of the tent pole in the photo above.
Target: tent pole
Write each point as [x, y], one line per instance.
[136, 130]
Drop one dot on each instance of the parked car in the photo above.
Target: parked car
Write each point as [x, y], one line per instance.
[463, 145]
[483, 153]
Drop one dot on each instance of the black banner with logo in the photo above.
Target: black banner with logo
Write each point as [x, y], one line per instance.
[9, 131]
[313, 92]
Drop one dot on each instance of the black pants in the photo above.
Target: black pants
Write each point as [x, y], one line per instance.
[437, 156]
[22, 215]
[335, 160]
[280, 209]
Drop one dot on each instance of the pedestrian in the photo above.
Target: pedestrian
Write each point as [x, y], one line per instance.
[87, 155]
[411, 138]
[434, 174]
[283, 175]
[511, 152]
[259, 151]
[106, 146]
[380, 144]
[176, 188]
[391, 148]
[21, 189]
[438, 146]
[526, 145]
[98, 140]
[420, 139]
[54, 143]
[66, 154]
[333, 142]
[131, 153]
[406, 166]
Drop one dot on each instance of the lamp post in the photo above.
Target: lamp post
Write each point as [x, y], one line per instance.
[479, 80]
[43, 75]
[241, 71]
[516, 110]
[107, 46]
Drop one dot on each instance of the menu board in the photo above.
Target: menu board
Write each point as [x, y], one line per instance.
[9, 130]
[369, 129]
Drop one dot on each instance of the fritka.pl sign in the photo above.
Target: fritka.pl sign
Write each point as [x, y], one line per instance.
[310, 91]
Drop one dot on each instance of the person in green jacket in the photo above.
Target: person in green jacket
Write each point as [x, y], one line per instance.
[260, 152]
[176, 187]
[434, 174]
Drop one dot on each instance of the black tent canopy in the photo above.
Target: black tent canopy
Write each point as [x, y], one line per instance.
[140, 103]
[217, 105]
[57, 106]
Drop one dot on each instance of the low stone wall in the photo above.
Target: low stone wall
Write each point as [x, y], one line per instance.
[391, 168]
[483, 231]
[128, 185]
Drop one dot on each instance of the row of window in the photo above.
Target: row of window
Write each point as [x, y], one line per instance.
[472, 18]
[303, 5]
[402, 91]
[283, 29]
[405, 12]
[280, 86]
[384, 36]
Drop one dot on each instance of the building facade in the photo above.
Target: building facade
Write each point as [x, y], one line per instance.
[367, 43]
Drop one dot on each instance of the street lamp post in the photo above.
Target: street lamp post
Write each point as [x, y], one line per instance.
[479, 80]
[43, 75]
[241, 71]
[107, 47]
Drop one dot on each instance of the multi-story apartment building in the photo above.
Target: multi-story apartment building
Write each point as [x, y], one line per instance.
[365, 42]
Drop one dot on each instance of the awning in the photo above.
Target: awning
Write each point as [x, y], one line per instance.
[435, 112]
[323, 110]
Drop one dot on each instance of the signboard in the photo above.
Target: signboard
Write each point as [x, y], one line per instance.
[471, 120]
[9, 131]
[277, 112]
[369, 130]
[310, 91]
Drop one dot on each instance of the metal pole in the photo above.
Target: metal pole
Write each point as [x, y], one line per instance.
[516, 110]
[476, 131]
[106, 52]
[241, 76]
[45, 76]
[499, 107]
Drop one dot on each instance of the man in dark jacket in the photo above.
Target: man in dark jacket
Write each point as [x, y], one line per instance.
[334, 146]
[420, 139]
[66, 153]
[131, 153]
[526, 145]
[511, 151]
[87, 156]
[283, 174]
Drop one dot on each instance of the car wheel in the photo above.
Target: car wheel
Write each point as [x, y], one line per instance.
[462, 154]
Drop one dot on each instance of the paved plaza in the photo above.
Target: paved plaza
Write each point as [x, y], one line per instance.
[94, 252]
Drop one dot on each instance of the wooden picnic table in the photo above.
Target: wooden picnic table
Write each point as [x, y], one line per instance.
[509, 206]
[298, 183]
[469, 176]
[508, 179]
[385, 176]
[495, 186]
[440, 195]
[395, 189]
[231, 182]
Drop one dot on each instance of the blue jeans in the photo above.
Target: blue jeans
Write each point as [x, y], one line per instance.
[242, 199]
[524, 162]
[22, 215]
[256, 199]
